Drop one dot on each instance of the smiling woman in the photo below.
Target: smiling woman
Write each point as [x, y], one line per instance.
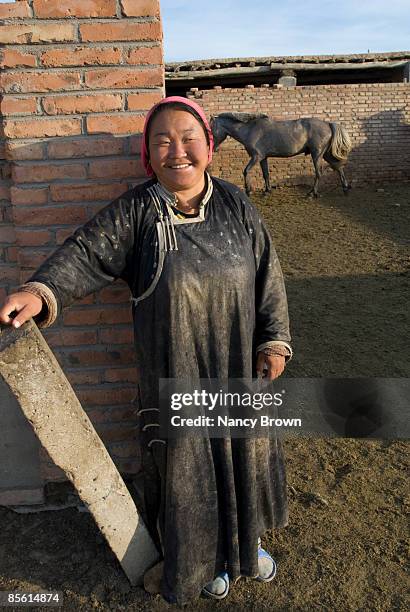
[177, 148]
[208, 302]
[178, 154]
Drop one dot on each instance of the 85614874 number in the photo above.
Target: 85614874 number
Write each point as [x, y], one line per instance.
[35, 598]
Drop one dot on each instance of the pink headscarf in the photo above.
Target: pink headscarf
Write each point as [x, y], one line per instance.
[187, 102]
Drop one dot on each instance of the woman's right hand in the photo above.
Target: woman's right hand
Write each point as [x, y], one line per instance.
[25, 304]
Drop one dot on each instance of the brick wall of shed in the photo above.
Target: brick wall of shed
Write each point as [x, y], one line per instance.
[376, 116]
[77, 80]
[9, 272]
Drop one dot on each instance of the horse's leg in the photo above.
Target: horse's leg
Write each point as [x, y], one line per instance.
[265, 172]
[338, 167]
[345, 185]
[253, 160]
[317, 162]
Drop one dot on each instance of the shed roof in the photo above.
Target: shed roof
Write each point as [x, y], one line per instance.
[238, 62]
[308, 70]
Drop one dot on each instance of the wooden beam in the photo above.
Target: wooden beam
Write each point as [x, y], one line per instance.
[274, 69]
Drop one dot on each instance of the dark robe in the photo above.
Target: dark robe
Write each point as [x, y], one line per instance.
[219, 296]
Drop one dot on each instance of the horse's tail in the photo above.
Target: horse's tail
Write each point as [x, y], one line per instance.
[341, 144]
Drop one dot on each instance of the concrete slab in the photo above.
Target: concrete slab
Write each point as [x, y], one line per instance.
[287, 81]
[48, 401]
[20, 476]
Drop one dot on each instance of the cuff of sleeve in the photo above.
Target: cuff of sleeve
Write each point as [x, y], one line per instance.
[48, 314]
[276, 347]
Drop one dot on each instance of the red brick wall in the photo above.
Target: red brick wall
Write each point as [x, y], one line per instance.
[9, 272]
[376, 116]
[77, 80]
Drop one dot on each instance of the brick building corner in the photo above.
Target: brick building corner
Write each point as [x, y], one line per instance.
[77, 79]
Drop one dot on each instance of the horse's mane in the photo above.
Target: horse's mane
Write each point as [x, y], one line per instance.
[243, 117]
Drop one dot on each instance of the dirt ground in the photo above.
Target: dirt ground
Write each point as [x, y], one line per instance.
[346, 263]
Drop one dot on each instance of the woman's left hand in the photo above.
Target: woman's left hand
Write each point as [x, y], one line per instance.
[269, 366]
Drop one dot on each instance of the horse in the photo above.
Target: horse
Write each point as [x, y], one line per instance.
[263, 138]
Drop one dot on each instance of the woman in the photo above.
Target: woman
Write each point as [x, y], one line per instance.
[208, 302]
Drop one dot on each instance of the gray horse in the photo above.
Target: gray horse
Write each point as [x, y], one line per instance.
[263, 138]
